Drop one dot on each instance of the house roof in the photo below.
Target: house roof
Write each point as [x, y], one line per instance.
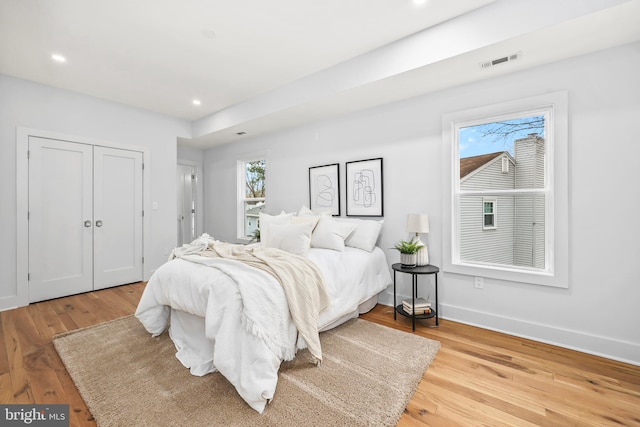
[469, 164]
[254, 211]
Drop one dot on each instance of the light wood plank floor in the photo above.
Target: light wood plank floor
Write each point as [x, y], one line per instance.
[478, 378]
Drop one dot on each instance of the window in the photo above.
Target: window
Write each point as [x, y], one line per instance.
[505, 165]
[251, 195]
[512, 156]
[489, 214]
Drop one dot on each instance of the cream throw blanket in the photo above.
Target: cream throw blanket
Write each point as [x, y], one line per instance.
[300, 278]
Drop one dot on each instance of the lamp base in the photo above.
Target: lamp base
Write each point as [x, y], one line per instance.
[423, 256]
[423, 253]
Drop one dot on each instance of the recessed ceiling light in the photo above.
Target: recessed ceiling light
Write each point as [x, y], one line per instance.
[419, 1]
[196, 102]
[58, 58]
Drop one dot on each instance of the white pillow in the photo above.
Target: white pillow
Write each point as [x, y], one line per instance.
[293, 238]
[330, 234]
[307, 219]
[265, 222]
[365, 235]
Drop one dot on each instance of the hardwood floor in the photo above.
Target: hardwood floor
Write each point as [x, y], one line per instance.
[481, 377]
[478, 378]
[30, 369]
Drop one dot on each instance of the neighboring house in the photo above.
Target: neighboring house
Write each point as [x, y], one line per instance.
[252, 216]
[504, 229]
[530, 209]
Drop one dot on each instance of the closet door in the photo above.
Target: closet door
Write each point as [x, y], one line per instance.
[118, 217]
[60, 218]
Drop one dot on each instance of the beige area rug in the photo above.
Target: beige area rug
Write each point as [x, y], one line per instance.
[127, 378]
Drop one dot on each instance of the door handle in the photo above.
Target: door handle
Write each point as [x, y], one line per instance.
[87, 223]
[98, 223]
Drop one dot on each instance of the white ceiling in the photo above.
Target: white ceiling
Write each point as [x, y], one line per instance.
[250, 61]
[161, 54]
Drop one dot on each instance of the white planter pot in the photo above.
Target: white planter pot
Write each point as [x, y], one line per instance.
[408, 260]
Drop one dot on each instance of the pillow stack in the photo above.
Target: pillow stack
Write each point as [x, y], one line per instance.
[309, 229]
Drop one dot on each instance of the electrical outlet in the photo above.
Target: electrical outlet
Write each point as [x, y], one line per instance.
[479, 283]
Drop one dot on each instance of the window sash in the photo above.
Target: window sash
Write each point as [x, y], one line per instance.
[458, 192]
[244, 225]
[251, 222]
[489, 221]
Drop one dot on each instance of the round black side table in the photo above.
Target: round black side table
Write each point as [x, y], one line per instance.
[415, 272]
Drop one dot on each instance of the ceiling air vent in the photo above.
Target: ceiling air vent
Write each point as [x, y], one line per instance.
[497, 61]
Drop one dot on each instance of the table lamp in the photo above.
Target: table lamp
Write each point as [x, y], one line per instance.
[419, 223]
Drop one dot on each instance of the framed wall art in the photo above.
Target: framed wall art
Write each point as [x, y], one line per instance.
[324, 188]
[364, 188]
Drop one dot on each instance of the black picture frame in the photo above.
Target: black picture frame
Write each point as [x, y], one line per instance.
[324, 188]
[364, 181]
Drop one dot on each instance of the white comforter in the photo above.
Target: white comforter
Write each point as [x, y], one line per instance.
[250, 362]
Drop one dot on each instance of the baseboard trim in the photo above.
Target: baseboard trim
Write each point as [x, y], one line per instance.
[9, 303]
[621, 351]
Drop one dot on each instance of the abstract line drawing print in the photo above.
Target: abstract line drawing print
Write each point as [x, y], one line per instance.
[364, 185]
[324, 188]
[326, 192]
[364, 188]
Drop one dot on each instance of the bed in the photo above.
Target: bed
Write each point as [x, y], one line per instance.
[226, 315]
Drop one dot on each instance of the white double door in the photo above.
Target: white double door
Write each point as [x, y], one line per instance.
[85, 218]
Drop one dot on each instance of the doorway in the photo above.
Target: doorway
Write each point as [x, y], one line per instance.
[186, 202]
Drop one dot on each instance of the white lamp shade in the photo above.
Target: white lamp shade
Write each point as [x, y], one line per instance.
[418, 223]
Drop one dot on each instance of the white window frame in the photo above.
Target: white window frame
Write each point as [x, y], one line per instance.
[494, 213]
[241, 190]
[556, 271]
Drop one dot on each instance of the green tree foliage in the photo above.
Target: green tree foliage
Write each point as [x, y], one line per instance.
[255, 179]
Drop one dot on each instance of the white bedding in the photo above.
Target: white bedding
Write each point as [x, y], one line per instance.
[204, 306]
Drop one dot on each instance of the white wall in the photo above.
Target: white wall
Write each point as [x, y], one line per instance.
[598, 312]
[35, 106]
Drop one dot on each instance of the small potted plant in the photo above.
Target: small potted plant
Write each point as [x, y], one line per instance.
[408, 252]
[255, 236]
